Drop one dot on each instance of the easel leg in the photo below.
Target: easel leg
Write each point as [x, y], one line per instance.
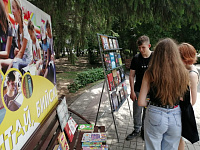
[115, 126]
[100, 101]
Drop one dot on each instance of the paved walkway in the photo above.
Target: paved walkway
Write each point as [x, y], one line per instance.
[87, 105]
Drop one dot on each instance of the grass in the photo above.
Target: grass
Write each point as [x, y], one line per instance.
[66, 75]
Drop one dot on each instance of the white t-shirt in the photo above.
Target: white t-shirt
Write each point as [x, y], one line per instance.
[28, 51]
[35, 47]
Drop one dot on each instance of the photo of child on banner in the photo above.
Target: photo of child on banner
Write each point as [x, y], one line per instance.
[12, 91]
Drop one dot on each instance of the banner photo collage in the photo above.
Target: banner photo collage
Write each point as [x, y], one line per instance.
[27, 71]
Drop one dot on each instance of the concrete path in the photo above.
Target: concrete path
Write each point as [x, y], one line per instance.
[87, 105]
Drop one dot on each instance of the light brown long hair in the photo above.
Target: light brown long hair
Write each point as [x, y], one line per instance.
[18, 4]
[3, 17]
[167, 73]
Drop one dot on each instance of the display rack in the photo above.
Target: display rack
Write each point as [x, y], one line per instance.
[114, 75]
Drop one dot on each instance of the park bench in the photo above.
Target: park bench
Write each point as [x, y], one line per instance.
[45, 136]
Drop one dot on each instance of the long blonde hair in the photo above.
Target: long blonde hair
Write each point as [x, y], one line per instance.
[167, 73]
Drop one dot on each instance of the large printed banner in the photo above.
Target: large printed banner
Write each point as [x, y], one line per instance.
[27, 71]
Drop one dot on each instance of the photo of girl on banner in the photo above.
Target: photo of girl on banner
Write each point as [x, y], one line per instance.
[6, 38]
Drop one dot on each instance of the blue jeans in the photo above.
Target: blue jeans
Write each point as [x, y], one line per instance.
[162, 128]
[20, 63]
[137, 115]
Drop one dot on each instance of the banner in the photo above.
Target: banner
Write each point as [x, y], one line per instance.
[27, 68]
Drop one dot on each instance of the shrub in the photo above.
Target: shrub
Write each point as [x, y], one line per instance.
[84, 78]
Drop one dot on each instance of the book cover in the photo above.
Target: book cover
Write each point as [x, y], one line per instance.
[125, 89]
[119, 77]
[115, 101]
[122, 74]
[119, 59]
[94, 137]
[110, 81]
[114, 44]
[57, 147]
[30, 85]
[112, 59]
[86, 127]
[116, 59]
[122, 95]
[63, 141]
[24, 88]
[107, 61]
[26, 85]
[63, 114]
[111, 43]
[115, 78]
[70, 128]
[102, 147]
[87, 144]
[92, 147]
[105, 42]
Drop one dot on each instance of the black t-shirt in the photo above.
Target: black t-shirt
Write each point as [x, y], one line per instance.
[140, 65]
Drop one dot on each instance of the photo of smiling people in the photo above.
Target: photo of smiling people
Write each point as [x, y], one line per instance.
[13, 97]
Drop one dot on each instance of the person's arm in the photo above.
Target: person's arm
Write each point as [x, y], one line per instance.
[22, 50]
[143, 91]
[193, 87]
[131, 81]
[5, 54]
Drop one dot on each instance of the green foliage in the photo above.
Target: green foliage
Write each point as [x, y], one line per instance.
[86, 77]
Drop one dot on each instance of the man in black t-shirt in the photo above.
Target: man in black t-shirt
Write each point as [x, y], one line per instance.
[139, 64]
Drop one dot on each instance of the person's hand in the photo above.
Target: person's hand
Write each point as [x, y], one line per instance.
[16, 51]
[10, 102]
[133, 96]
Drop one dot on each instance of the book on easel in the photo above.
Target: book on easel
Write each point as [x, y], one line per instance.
[122, 74]
[112, 59]
[121, 94]
[116, 59]
[115, 77]
[125, 89]
[105, 42]
[115, 100]
[107, 61]
[119, 59]
[111, 43]
[110, 81]
[119, 77]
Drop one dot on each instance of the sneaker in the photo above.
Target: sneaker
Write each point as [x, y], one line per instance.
[142, 134]
[132, 135]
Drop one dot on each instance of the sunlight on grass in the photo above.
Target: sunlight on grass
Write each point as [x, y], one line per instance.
[66, 75]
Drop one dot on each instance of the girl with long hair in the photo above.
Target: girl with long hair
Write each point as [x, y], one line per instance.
[166, 80]
[6, 37]
[35, 46]
[24, 51]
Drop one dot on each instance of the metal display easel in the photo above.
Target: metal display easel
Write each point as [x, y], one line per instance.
[103, 51]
